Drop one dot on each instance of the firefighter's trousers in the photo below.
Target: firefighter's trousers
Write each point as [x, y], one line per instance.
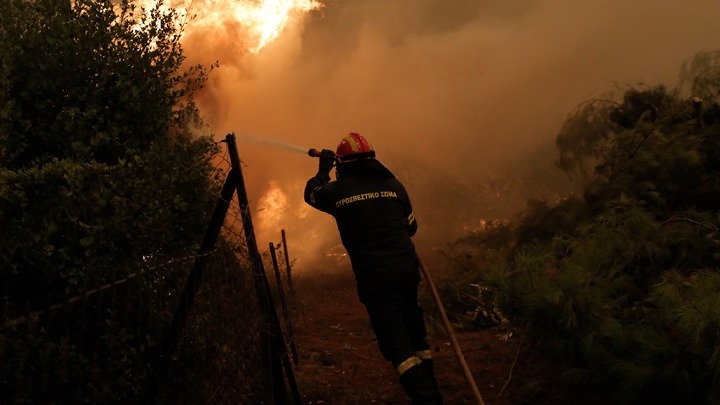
[398, 323]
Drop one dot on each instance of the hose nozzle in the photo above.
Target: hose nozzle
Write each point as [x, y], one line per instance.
[317, 153]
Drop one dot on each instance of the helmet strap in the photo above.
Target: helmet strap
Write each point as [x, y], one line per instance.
[357, 156]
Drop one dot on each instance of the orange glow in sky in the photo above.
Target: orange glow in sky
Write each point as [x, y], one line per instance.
[263, 20]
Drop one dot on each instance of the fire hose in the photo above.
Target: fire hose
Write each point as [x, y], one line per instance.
[451, 335]
[445, 320]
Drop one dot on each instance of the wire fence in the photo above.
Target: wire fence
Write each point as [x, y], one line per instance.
[195, 328]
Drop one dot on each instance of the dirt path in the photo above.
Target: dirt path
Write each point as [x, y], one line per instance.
[339, 362]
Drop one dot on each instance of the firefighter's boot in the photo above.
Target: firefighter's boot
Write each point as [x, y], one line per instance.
[427, 360]
[428, 365]
[420, 385]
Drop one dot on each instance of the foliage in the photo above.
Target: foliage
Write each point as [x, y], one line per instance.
[100, 177]
[701, 76]
[126, 64]
[623, 286]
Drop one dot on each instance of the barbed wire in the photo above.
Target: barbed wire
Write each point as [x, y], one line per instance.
[89, 293]
[222, 348]
[232, 232]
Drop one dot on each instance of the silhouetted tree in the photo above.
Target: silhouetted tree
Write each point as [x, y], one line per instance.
[624, 285]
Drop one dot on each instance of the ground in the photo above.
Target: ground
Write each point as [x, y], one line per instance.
[339, 362]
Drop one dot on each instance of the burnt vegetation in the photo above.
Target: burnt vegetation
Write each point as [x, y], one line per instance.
[622, 284]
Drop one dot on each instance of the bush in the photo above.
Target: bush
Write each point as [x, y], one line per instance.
[623, 287]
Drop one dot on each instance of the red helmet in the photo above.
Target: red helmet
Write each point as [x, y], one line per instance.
[354, 146]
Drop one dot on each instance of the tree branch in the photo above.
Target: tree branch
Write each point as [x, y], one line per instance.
[512, 367]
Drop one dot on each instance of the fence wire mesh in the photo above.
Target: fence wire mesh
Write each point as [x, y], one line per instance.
[110, 343]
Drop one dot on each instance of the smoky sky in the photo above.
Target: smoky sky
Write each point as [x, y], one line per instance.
[460, 90]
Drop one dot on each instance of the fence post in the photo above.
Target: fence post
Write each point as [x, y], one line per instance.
[287, 262]
[281, 294]
[264, 289]
[187, 296]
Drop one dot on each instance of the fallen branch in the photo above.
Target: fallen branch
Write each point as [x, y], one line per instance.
[512, 367]
[706, 225]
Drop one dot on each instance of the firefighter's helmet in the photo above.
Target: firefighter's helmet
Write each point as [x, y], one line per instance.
[353, 147]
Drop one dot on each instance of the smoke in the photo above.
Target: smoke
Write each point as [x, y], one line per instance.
[455, 96]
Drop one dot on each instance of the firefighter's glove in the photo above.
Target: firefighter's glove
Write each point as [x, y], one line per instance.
[327, 160]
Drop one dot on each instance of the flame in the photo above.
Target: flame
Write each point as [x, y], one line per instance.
[272, 208]
[263, 20]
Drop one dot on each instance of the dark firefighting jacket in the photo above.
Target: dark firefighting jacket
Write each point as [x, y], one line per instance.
[374, 217]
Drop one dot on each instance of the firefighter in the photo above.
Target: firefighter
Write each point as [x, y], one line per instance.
[375, 220]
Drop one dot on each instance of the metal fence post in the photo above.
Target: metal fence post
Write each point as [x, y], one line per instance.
[264, 289]
[188, 295]
[281, 295]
